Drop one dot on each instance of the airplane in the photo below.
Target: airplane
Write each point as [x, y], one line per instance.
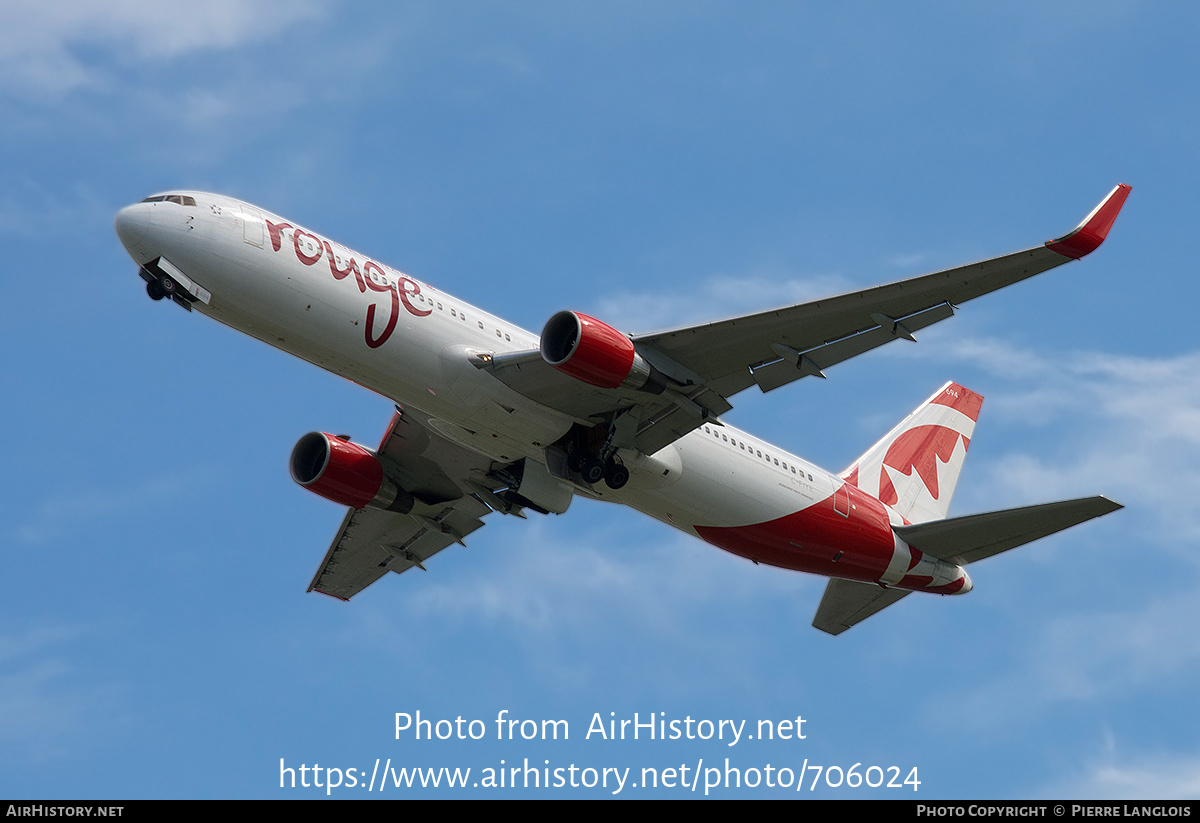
[492, 418]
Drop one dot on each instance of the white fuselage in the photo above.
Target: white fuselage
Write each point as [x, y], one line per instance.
[411, 343]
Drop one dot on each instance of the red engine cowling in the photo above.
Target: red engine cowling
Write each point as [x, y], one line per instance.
[345, 473]
[596, 353]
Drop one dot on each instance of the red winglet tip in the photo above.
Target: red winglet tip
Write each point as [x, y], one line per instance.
[1088, 236]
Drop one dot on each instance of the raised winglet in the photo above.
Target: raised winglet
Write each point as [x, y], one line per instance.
[1088, 236]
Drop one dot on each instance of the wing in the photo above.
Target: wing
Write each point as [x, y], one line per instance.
[706, 364]
[449, 484]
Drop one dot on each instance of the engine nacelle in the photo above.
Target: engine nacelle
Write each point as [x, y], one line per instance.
[596, 353]
[345, 473]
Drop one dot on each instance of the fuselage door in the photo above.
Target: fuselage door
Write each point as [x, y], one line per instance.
[252, 225]
[841, 499]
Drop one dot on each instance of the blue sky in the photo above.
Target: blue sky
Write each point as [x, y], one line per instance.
[651, 164]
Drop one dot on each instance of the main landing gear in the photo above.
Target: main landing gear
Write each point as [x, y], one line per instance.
[592, 455]
[593, 468]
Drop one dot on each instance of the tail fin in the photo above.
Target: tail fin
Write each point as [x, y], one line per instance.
[915, 468]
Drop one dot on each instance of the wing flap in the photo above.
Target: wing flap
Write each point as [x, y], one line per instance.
[724, 352]
[797, 364]
[847, 602]
[969, 539]
[345, 572]
[372, 542]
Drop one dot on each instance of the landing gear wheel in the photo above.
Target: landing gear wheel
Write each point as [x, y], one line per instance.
[167, 285]
[593, 470]
[616, 476]
[155, 291]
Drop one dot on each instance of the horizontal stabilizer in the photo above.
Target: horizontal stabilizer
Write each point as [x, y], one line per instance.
[960, 540]
[846, 602]
[963, 540]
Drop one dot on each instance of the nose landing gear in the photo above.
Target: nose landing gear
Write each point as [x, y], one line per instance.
[160, 287]
[164, 279]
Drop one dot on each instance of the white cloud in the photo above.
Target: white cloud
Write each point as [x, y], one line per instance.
[569, 580]
[1128, 427]
[1080, 664]
[566, 595]
[716, 297]
[41, 710]
[79, 508]
[47, 48]
[1156, 776]
[1129, 424]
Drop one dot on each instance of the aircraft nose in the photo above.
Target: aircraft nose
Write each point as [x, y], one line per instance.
[132, 223]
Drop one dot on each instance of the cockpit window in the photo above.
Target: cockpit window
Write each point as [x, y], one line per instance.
[181, 199]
